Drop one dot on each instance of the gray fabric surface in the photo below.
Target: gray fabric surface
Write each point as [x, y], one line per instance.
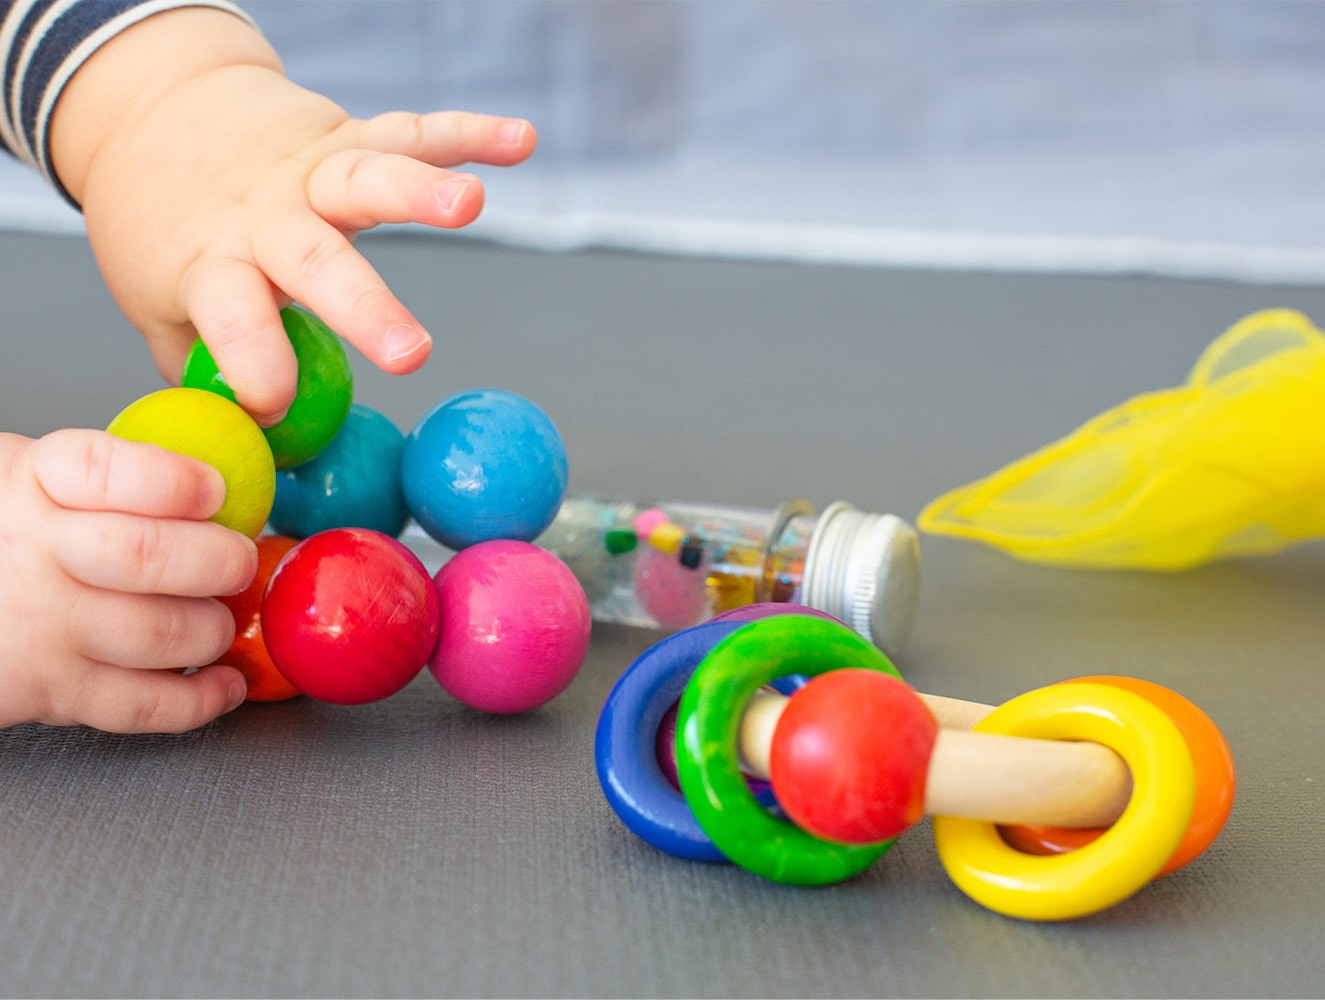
[414, 847]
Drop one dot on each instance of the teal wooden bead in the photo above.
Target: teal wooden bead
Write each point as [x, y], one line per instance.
[352, 483]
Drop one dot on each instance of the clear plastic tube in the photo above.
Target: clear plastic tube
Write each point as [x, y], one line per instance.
[672, 564]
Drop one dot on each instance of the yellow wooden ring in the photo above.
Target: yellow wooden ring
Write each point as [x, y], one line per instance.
[1124, 858]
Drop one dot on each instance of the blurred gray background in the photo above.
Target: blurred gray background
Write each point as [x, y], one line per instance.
[1098, 135]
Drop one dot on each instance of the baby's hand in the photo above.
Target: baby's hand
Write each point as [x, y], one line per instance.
[225, 191]
[109, 569]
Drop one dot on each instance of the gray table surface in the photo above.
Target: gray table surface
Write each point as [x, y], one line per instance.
[414, 847]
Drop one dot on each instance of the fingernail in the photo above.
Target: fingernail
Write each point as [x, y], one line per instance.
[402, 341]
[236, 695]
[451, 191]
[213, 491]
[513, 132]
[273, 419]
[253, 554]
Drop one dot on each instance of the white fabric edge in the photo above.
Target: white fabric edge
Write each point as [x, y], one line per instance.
[840, 245]
[907, 248]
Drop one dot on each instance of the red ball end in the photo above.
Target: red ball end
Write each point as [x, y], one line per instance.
[350, 616]
[850, 756]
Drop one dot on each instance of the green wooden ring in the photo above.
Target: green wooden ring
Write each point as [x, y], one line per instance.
[708, 723]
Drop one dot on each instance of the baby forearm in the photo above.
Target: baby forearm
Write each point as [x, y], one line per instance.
[120, 84]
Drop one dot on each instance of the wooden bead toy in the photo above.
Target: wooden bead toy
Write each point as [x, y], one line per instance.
[215, 430]
[484, 464]
[350, 616]
[855, 757]
[514, 626]
[339, 609]
[323, 393]
[354, 482]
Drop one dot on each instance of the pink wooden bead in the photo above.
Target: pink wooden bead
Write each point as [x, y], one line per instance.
[515, 626]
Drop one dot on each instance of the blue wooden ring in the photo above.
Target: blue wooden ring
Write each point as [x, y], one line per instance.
[625, 752]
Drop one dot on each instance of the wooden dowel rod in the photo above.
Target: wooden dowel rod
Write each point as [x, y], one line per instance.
[754, 741]
[1002, 779]
[1009, 779]
[953, 713]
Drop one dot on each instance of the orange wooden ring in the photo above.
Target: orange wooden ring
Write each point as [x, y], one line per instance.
[1216, 781]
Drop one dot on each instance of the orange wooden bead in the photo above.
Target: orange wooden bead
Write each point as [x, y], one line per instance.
[248, 653]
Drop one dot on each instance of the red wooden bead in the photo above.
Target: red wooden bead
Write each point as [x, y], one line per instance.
[850, 755]
[350, 616]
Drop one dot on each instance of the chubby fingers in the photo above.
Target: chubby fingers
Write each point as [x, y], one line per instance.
[234, 306]
[152, 555]
[449, 138]
[394, 174]
[168, 632]
[130, 517]
[87, 470]
[317, 265]
[123, 700]
[357, 189]
[234, 309]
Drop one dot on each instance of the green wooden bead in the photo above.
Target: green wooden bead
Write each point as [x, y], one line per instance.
[323, 393]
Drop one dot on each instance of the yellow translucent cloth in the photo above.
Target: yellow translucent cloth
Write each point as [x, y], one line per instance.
[1230, 464]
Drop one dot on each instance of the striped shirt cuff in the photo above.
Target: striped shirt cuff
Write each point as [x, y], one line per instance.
[42, 45]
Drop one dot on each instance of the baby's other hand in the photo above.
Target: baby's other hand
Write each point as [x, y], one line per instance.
[110, 566]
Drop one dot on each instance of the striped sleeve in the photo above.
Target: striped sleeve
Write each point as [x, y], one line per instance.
[42, 44]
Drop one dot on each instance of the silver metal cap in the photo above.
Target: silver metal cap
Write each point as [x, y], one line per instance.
[865, 569]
